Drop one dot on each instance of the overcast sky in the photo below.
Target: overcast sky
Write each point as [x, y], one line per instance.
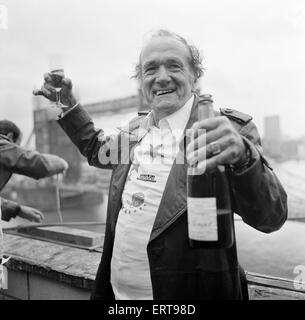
[254, 51]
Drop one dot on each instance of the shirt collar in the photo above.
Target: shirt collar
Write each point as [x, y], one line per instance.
[176, 121]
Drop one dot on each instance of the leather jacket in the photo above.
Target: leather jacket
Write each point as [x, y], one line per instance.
[177, 271]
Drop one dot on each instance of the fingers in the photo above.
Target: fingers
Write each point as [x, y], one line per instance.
[30, 214]
[55, 164]
[67, 83]
[65, 166]
[221, 159]
[207, 166]
[206, 124]
[211, 137]
[47, 77]
[202, 147]
[203, 139]
[196, 156]
[229, 152]
[220, 124]
[38, 217]
[43, 92]
[35, 215]
[53, 79]
[46, 92]
[206, 131]
[37, 92]
[198, 170]
[203, 153]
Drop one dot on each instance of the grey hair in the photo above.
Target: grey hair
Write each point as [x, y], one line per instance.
[195, 61]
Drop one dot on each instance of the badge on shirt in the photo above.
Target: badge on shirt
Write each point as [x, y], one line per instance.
[137, 203]
[147, 177]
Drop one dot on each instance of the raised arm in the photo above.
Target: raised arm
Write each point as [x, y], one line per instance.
[100, 150]
[16, 159]
[91, 142]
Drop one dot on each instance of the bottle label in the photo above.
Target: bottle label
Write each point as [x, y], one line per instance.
[202, 219]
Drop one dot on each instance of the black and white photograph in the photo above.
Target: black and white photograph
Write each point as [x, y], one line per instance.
[152, 151]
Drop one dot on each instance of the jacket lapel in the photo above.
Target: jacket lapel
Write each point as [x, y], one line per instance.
[137, 129]
[118, 180]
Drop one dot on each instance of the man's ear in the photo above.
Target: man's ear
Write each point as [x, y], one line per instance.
[141, 92]
[196, 87]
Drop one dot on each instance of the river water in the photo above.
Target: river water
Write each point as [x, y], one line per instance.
[275, 254]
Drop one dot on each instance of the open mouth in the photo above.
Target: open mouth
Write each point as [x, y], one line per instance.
[163, 92]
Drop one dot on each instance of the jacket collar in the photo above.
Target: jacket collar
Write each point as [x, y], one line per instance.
[175, 121]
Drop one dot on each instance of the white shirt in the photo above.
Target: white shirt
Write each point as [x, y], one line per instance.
[145, 183]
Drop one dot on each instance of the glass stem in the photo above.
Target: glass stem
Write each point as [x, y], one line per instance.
[58, 103]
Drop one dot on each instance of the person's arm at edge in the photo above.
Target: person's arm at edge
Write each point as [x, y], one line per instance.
[29, 162]
[10, 209]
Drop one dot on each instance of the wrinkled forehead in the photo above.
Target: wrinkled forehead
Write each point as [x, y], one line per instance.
[164, 45]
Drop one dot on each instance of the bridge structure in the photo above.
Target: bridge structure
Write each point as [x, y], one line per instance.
[134, 102]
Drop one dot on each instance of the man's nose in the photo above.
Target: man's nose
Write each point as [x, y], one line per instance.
[162, 76]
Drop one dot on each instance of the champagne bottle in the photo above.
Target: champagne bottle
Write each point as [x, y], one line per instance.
[210, 219]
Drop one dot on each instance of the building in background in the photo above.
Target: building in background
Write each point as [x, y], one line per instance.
[50, 138]
[273, 137]
[279, 147]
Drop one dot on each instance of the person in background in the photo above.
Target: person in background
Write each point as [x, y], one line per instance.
[146, 253]
[15, 159]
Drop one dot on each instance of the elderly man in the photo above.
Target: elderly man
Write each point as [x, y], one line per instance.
[146, 251]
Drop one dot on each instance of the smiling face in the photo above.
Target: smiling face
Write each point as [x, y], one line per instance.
[166, 77]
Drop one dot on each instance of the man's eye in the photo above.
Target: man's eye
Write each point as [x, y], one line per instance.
[150, 70]
[175, 66]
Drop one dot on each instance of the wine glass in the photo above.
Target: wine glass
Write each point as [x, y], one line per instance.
[57, 76]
